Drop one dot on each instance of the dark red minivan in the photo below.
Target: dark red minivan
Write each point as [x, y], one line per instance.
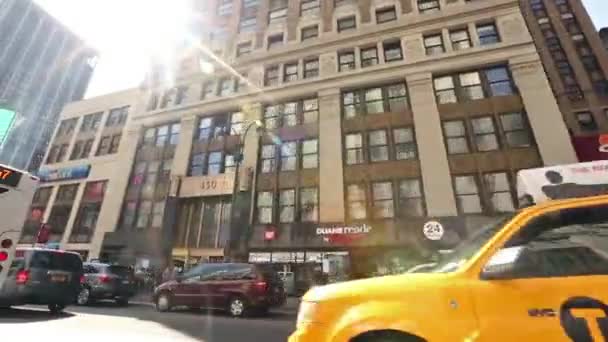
[240, 289]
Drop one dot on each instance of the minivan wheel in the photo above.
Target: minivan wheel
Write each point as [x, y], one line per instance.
[56, 309]
[237, 307]
[83, 296]
[163, 303]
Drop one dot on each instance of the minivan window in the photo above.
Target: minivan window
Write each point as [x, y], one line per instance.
[56, 261]
[239, 272]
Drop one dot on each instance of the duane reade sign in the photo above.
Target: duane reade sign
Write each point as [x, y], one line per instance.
[346, 230]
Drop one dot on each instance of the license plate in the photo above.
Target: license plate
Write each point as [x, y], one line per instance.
[58, 278]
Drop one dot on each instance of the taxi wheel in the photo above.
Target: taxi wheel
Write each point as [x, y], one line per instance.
[386, 336]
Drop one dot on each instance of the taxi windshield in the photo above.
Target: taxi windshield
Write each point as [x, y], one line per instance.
[452, 260]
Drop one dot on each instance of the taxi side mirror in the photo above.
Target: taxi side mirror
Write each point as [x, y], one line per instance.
[502, 264]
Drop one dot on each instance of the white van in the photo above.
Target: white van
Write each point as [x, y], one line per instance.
[562, 181]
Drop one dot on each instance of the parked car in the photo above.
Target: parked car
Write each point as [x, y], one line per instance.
[105, 281]
[240, 289]
[43, 277]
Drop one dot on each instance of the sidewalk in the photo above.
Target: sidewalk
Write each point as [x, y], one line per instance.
[290, 306]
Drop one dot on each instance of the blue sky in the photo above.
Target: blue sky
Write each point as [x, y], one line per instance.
[125, 36]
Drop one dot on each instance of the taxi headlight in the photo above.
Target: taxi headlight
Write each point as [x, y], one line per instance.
[306, 312]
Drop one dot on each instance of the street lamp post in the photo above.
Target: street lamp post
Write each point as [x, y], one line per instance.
[238, 159]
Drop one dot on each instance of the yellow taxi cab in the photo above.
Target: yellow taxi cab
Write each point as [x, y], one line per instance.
[539, 274]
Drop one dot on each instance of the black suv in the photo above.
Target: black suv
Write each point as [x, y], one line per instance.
[43, 277]
[105, 281]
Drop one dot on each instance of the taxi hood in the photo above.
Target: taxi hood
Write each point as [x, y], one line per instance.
[375, 287]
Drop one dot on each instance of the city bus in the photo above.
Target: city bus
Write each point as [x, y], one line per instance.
[17, 190]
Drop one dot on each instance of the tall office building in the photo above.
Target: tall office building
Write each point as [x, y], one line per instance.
[576, 63]
[42, 67]
[392, 128]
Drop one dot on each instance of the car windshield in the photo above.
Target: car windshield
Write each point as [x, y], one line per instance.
[450, 261]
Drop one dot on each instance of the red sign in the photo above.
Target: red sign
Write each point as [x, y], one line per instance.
[591, 148]
[270, 234]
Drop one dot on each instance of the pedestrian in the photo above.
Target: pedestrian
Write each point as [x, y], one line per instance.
[168, 273]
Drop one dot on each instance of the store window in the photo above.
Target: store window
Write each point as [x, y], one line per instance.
[382, 200]
[356, 201]
[90, 205]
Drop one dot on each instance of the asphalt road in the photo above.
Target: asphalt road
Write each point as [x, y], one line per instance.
[106, 322]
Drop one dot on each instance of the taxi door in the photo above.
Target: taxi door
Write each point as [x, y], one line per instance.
[557, 291]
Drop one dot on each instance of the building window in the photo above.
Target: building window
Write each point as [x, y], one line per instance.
[309, 205]
[310, 154]
[86, 220]
[104, 146]
[460, 39]
[310, 32]
[586, 121]
[91, 122]
[278, 10]
[309, 7]
[264, 207]
[214, 163]
[204, 128]
[181, 94]
[290, 72]
[208, 90]
[162, 135]
[291, 113]
[488, 34]
[382, 200]
[378, 145]
[287, 205]
[275, 41]
[268, 158]
[250, 3]
[433, 45]
[499, 192]
[229, 164]
[311, 68]
[369, 56]
[248, 24]
[224, 7]
[356, 200]
[354, 149]
[392, 98]
[516, 131]
[499, 81]
[237, 120]
[346, 60]
[387, 14]
[445, 91]
[271, 76]
[243, 49]
[392, 51]
[467, 195]
[404, 143]
[288, 156]
[348, 23]
[470, 85]
[226, 86]
[411, 199]
[117, 116]
[484, 133]
[428, 6]
[66, 127]
[197, 165]
[456, 137]
[51, 158]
